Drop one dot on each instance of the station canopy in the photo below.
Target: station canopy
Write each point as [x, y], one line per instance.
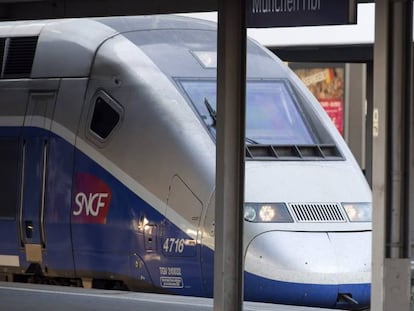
[43, 9]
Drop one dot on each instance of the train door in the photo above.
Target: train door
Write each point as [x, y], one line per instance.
[9, 185]
[179, 241]
[35, 144]
[13, 107]
[207, 247]
[58, 260]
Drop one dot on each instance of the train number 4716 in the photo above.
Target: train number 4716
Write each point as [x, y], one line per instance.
[173, 245]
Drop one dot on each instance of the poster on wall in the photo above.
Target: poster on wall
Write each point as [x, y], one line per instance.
[327, 85]
[334, 108]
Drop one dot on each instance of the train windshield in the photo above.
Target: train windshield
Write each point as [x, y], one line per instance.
[273, 114]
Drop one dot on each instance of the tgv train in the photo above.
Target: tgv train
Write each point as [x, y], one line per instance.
[107, 161]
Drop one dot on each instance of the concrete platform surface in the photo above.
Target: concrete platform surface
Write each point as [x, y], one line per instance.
[33, 297]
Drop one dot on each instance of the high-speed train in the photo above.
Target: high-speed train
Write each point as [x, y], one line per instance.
[107, 161]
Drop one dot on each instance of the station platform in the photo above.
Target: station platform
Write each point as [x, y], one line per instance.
[34, 297]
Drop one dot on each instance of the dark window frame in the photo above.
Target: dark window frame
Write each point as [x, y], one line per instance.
[312, 123]
[98, 134]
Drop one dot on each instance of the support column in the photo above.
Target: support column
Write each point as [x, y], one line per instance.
[228, 258]
[392, 155]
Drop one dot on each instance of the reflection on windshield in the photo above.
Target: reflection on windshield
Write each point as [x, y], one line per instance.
[273, 115]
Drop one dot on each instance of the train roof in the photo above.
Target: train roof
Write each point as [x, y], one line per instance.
[118, 24]
[66, 47]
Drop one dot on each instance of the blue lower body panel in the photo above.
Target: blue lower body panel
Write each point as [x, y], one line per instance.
[265, 290]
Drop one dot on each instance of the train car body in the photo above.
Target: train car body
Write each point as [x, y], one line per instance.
[107, 160]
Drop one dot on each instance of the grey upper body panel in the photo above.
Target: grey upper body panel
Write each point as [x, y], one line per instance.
[67, 47]
[168, 40]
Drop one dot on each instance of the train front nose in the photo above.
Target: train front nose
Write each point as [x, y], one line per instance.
[309, 268]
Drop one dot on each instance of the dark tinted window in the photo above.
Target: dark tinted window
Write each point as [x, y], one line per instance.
[9, 178]
[104, 118]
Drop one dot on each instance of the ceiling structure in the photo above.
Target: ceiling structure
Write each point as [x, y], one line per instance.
[43, 9]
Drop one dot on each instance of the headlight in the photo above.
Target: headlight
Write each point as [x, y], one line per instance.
[266, 212]
[358, 212]
[249, 213]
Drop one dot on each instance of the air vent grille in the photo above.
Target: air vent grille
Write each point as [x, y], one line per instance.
[292, 152]
[19, 55]
[2, 43]
[317, 212]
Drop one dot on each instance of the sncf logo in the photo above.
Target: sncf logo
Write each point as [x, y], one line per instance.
[92, 198]
[90, 204]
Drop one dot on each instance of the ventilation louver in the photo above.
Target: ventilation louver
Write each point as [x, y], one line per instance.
[292, 152]
[18, 57]
[2, 42]
[317, 212]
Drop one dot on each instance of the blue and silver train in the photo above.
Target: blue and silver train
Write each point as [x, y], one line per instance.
[107, 161]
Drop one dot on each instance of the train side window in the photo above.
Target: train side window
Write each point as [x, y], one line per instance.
[105, 117]
[9, 181]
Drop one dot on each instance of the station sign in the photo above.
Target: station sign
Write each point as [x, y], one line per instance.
[290, 13]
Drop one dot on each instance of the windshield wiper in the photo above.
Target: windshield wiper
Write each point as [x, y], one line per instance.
[211, 111]
[213, 116]
[251, 141]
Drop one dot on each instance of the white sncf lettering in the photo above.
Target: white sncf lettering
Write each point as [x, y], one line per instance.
[91, 203]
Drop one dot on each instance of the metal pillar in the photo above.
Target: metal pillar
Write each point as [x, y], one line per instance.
[392, 155]
[231, 73]
[369, 121]
[355, 110]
